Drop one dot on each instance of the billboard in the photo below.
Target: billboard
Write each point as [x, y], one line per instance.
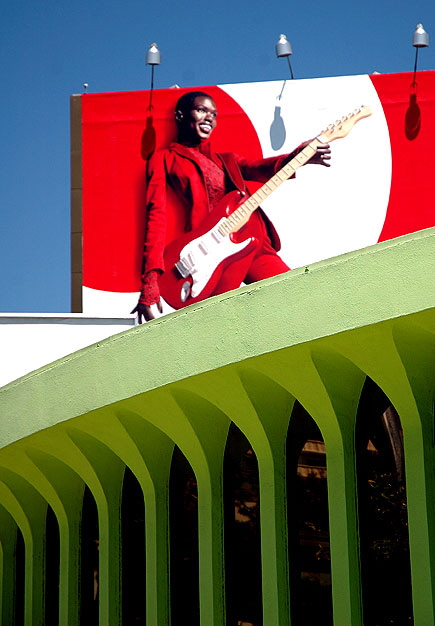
[380, 184]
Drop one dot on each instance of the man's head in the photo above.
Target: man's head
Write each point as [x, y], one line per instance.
[195, 115]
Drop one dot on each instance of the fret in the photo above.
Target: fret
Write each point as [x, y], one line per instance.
[281, 175]
[245, 211]
[253, 203]
[262, 193]
[289, 170]
[300, 158]
[249, 202]
[238, 216]
[276, 180]
[266, 186]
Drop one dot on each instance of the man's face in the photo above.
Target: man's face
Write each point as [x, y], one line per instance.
[200, 122]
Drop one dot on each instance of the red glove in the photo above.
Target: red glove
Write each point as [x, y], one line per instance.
[150, 292]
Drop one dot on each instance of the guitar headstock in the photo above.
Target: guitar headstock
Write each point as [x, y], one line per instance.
[342, 127]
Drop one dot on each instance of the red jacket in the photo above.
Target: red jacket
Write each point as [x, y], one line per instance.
[176, 198]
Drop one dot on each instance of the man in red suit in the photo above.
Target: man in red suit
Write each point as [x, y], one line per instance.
[185, 183]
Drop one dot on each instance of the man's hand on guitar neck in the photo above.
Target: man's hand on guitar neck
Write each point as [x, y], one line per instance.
[322, 156]
[149, 298]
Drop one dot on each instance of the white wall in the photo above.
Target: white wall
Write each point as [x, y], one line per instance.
[29, 341]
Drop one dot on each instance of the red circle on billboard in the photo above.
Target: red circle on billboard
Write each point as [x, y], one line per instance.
[118, 131]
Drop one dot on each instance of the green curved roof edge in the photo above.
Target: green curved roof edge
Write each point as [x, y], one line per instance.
[383, 282]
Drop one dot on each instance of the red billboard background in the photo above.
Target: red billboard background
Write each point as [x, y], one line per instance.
[120, 129]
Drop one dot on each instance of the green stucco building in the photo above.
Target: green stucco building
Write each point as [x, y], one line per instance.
[98, 526]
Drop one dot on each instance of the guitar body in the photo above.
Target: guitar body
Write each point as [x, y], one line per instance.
[210, 263]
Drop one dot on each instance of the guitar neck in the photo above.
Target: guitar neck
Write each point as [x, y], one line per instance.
[241, 215]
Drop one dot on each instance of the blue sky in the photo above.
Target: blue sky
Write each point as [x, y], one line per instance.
[50, 48]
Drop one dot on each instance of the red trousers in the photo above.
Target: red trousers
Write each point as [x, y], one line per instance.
[266, 262]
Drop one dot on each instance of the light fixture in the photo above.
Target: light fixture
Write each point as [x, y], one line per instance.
[283, 49]
[152, 58]
[420, 39]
